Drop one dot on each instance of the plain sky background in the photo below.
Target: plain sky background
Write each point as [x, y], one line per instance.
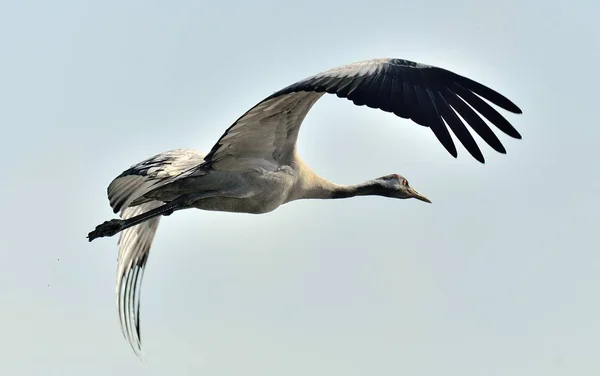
[499, 276]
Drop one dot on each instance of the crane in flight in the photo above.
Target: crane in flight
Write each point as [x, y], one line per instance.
[254, 167]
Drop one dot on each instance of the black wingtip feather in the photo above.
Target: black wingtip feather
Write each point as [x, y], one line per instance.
[458, 127]
[428, 115]
[471, 117]
[489, 94]
[486, 110]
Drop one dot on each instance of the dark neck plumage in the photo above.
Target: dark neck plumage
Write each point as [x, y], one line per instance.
[319, 188]
[312, 186]
[369, 188]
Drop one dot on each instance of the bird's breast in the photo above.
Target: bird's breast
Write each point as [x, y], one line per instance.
[260, 193]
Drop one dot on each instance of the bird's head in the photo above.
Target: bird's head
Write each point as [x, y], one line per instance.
[397, 186]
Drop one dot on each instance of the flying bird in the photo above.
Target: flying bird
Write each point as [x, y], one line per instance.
[254, 167]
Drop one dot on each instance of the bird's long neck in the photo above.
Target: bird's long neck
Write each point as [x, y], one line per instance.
[312, 186]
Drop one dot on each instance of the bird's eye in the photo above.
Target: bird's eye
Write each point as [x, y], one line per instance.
[404, 182]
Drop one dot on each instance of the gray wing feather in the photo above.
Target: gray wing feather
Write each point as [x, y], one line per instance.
[134, 247]
[150, 174]
[430, 96]
[266, 136]
[135, 242]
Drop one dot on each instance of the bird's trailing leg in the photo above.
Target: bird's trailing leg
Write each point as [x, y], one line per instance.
[114, 226]
[108, 228]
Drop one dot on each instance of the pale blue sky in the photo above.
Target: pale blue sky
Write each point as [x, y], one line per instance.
[499, 276]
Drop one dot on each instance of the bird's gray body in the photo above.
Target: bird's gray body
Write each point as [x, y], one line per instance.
[254, 167]
[241, 192]
[231, 192]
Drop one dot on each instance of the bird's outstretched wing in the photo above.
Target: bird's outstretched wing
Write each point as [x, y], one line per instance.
[266, 135]
[135, 242]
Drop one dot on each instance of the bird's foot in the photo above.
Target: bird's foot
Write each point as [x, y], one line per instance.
[108, 228]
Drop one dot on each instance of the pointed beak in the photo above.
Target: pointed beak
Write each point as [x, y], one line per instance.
[414, 194]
